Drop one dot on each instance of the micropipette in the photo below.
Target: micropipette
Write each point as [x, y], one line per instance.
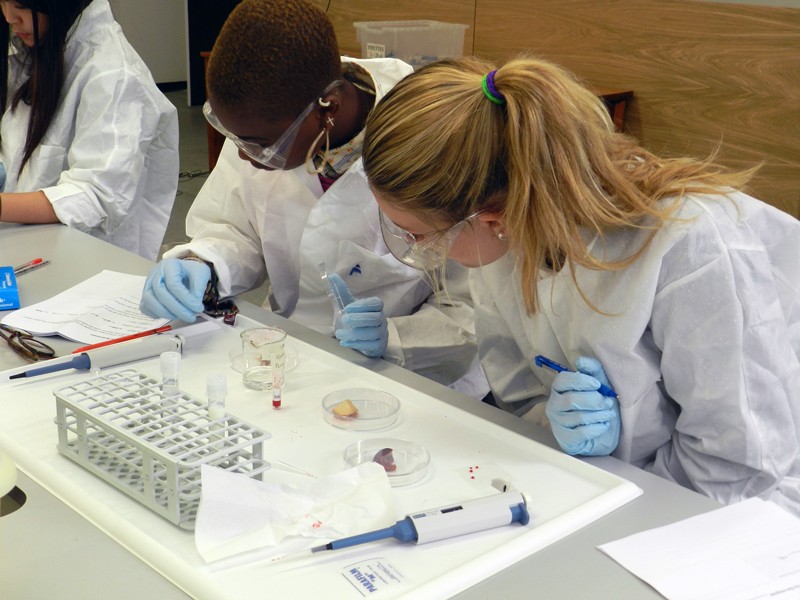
[109, 356]
[337, 302]
[440, 523]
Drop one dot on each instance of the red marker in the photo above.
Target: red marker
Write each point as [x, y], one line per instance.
[30, 263]
[125, 338]
[36, 263]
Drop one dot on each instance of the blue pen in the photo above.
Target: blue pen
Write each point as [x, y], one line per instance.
[543, 361]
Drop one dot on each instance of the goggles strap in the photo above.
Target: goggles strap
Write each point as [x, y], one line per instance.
[311, 169]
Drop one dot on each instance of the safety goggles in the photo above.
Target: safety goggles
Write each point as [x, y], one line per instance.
[275, 155]
[423, 251]
[24, 344]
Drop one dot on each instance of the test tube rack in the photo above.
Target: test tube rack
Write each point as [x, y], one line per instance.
[121, 427]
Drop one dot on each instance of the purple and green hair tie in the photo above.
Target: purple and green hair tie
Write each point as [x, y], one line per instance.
[487, 83]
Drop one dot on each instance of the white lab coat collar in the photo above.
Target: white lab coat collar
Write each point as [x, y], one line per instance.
[95, 17]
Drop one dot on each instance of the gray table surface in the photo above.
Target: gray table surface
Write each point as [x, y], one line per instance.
[47, 550]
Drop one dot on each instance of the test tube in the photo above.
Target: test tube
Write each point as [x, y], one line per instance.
[170, 367]
[337, 302]
[277, 381]
[217, 388]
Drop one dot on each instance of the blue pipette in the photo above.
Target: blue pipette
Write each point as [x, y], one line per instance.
[440, 523]
[543, 361]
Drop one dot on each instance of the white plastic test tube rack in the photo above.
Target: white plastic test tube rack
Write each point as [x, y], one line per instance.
[123, 429]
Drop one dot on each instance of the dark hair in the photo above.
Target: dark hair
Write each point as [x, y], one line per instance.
[42, 89]
[273, 55]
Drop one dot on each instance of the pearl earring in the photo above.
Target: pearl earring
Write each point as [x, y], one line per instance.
[501, 237]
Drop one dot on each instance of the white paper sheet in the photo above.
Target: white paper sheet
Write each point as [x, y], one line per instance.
[238, 514]
[745, 551]
[103, 307]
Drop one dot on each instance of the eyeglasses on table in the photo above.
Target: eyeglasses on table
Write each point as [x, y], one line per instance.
[24, 344]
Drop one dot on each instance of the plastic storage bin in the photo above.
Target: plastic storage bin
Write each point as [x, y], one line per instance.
[123, 429]
[415, 42]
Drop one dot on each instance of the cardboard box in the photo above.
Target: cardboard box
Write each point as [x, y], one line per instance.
[9, 293]
[415, 42]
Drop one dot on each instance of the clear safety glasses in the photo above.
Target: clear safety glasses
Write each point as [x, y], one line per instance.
[423, 251]
[275, 155]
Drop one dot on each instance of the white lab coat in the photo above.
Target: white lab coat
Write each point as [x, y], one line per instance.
[251, 223]
[109, 161]
[701, 342]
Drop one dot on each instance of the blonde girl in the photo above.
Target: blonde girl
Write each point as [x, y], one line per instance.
[652, 275]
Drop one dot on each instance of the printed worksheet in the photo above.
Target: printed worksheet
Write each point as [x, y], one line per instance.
[745, 551]
[103, 307]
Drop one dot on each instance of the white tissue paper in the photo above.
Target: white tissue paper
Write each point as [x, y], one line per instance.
[238, 514]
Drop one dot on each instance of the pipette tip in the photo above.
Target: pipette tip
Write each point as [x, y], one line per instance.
[286, 466]
[301, 553]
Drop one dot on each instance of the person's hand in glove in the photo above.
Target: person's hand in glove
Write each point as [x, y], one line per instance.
[362, 325]
[584, 421]
[174, 289]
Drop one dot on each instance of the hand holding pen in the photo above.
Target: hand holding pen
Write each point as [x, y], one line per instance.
[543, 361]
[582, 408]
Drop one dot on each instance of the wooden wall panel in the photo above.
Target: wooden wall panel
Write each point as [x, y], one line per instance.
[344, 13]
[702, 73]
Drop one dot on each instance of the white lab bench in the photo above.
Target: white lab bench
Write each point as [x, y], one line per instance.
[47, 549]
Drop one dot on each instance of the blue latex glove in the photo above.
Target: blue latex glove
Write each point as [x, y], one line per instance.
[362, 326]
[584, 421]
[174, 289]
[2, 176]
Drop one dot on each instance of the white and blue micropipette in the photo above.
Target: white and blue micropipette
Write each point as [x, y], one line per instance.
[337, 302]
[440, 523]
[108, 356]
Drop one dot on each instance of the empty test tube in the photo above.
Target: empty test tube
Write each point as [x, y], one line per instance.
[217, 389]
[170, 368]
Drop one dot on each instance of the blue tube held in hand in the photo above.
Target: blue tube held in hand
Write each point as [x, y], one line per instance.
[363, 325]
[334, 294]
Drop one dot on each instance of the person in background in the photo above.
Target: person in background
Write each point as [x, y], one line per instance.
[86, 137]
[654, 276]
[288, 192]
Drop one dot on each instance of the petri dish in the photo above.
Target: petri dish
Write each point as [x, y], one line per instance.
[360, 409]
[405, 462]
